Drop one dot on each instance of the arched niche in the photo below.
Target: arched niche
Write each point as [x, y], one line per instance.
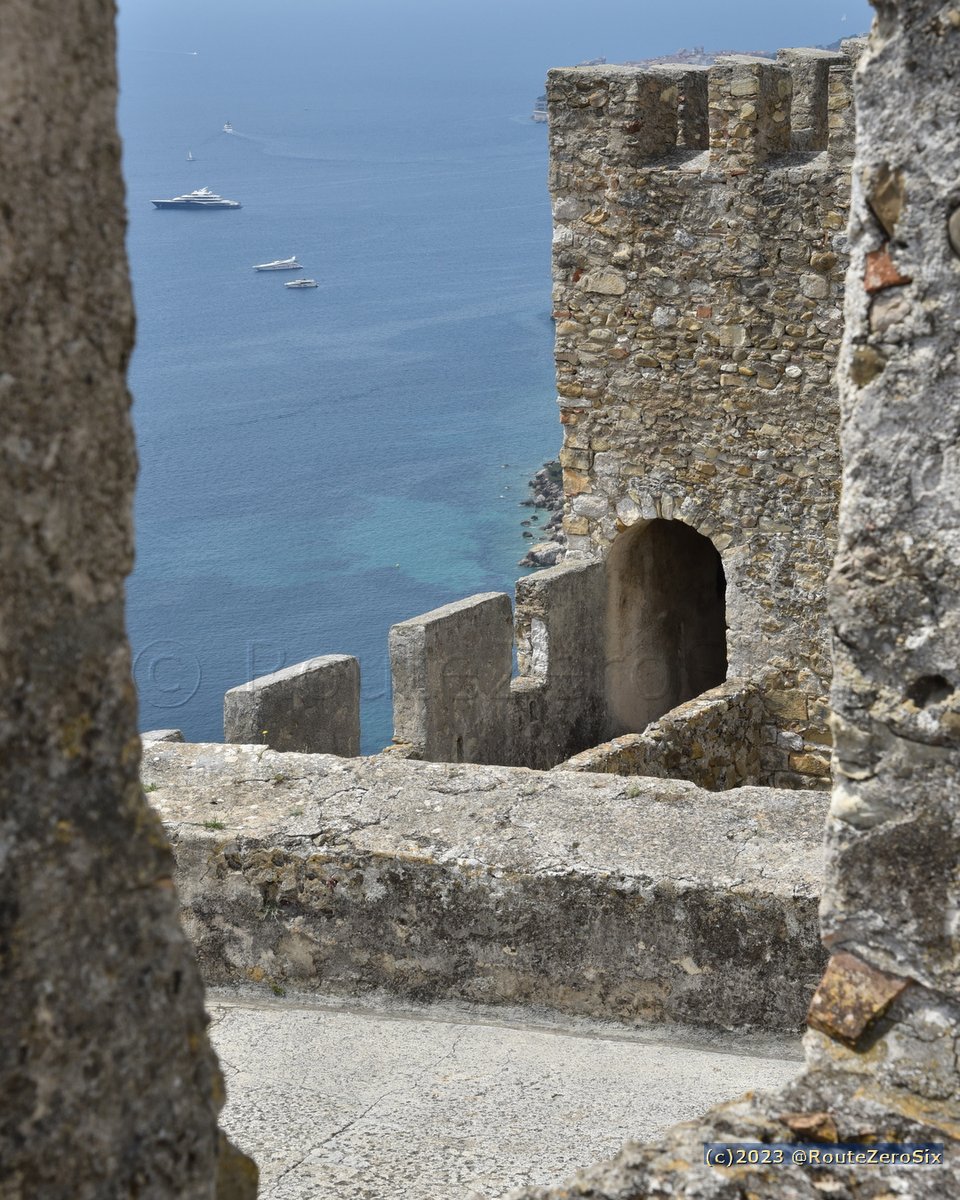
[666, 631]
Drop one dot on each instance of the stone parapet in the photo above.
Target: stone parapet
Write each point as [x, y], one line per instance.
[810, 105]
[617, 115]
[714, 741]
[749, 111]
[312, 707]
[453, 696]
[556, 702]
[635, 900]
[451, 676]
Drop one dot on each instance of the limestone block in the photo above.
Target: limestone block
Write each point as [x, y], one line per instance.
[312, 707]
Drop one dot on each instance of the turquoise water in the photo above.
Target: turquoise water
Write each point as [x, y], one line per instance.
[318, 464]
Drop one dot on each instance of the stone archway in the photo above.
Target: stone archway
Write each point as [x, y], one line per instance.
[666, 622]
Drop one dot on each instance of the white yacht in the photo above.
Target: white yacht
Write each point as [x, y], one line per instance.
[201, 198]
[227, 127]
[280, 264]
[301, 283]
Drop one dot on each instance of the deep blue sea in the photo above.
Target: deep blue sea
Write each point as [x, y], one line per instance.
[319, 464]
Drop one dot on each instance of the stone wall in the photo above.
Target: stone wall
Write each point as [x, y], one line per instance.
[556, 701]
[451, 677]
[641, 899]
[698, 278]
[453, 696]
[714, 741]
[109, 1086]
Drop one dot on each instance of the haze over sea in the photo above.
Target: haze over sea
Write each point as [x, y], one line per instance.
[319, 464]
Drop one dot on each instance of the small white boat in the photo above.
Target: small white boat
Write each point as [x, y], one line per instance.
[227, 127]
[301, 283]
[190, 157]
[280, 264]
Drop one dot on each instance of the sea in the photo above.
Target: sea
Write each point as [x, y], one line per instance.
[316, 465]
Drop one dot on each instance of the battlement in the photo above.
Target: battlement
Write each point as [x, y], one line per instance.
[744, 110]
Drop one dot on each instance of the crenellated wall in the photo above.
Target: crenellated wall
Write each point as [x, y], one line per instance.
[699, 251]
[453, 696]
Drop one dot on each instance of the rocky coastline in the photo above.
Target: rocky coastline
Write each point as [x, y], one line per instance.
[546, 489]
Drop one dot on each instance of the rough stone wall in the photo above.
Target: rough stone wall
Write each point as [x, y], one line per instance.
[714, 741]
[451, 677]
[882, 1051]
[109, 1086]
[894, 829]
[556, 702]
[698, 276]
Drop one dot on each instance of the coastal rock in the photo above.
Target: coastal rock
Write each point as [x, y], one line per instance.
[547, 488]
[543, 554]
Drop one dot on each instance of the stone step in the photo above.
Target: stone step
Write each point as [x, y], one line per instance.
[625, 898]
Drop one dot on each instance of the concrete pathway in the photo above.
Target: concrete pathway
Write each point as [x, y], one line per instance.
[441, 1103]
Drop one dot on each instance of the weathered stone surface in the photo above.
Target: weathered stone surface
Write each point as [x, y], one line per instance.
[809, 112]
[633, 899]
[674, 1166]
[162, 735]
[714, 741]
[387, 1100]
[451, 677]
[312, 707]
[894, 832]
[108, 1086]
[556, 702]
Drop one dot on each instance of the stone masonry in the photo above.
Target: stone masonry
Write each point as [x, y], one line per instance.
[311, 707]
[108, 1086]
[699, 251]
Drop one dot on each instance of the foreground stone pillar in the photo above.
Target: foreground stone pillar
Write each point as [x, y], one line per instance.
[108, 1086]
[892, 891]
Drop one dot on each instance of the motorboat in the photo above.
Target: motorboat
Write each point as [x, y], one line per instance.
[301, 283]
[227, 127]
[201, 198]
[280, 264]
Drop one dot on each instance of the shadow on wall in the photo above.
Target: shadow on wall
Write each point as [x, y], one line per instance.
[666, 626]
